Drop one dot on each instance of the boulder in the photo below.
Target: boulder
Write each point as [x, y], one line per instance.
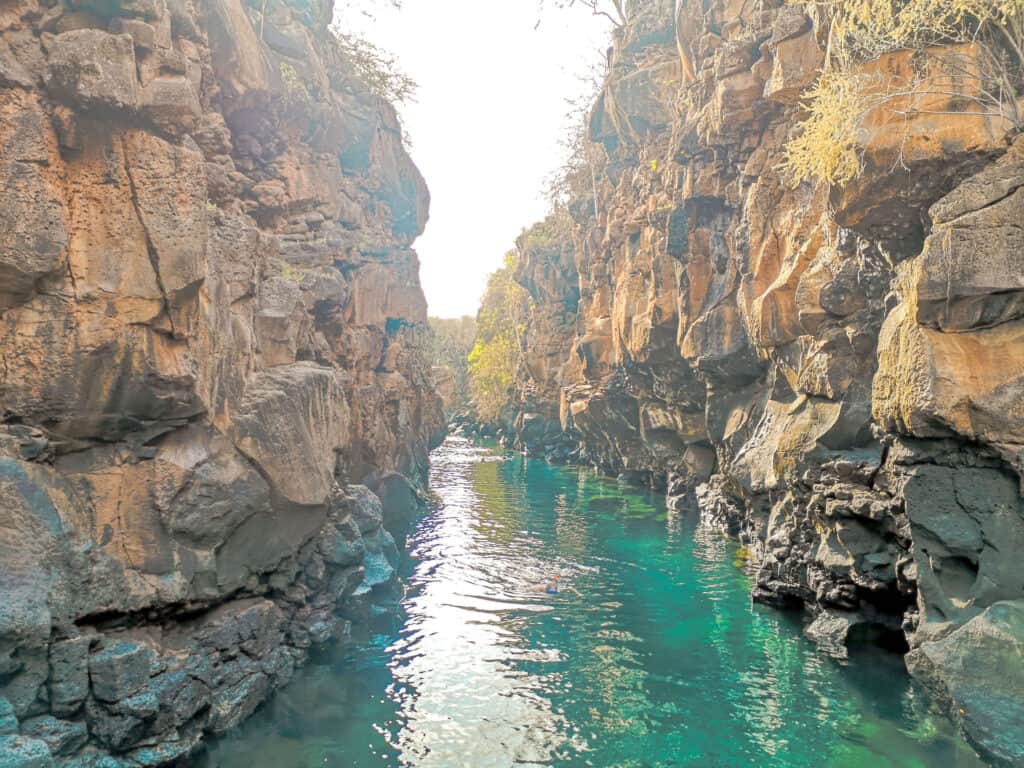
[831, 629]
[61, 736]
[119, 670]
[295, 453]
[400, 505]
[976, 672]
[93, 68]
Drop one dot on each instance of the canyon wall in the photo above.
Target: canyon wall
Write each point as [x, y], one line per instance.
[832, 375]
[214, 400]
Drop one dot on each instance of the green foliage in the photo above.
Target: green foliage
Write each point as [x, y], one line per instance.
[451, 343]
[291, 274]
[295, 90]
[858, 31]
[501, 323]
[554, 230]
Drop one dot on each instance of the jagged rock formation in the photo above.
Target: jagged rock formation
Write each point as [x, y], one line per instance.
[834, 374]
[211, 341]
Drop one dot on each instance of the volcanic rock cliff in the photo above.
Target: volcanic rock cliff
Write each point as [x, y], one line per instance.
[833, 375]
[211, 343]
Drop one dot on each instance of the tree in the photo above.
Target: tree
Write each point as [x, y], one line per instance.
[613, 10]
[451, 343]
[501, 323]
[375, 68]
[858, 31]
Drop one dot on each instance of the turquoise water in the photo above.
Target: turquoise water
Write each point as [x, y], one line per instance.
[652, 655]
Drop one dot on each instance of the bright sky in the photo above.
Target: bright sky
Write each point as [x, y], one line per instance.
[487, 123]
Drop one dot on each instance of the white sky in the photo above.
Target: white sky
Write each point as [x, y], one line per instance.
[486, 125]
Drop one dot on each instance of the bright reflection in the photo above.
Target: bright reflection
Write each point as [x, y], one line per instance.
[651, 655]
[464, 700]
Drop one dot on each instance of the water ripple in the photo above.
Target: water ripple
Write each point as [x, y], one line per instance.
[651, 654]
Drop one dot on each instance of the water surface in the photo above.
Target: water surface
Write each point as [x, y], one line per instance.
[651, 655]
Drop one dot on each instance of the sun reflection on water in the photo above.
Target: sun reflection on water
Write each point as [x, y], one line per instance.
[651, 654]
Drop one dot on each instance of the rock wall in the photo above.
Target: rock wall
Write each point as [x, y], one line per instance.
[546, 268]
[211, 343]
[833, 375]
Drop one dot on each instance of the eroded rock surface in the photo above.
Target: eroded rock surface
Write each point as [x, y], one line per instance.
[833, 376]
[211, 331]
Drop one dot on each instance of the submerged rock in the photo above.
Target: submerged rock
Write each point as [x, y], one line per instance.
[976, 672]
[831, 630]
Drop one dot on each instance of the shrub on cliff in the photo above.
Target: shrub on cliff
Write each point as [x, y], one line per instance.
[500, 324]
[375, 68]
[370, 64]
[987, 81]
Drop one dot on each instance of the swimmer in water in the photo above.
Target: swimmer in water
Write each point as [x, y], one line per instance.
[554, 588]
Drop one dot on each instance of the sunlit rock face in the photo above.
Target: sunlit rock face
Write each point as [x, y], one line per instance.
[211, 328]
[832, 375]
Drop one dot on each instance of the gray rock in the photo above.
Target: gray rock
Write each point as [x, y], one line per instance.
[63, 737]
[21, 752]
[8, 720]
[344, 583]
[120, 670]
[171, 102]
[94, 68]
[111, 730]
[93, 761]
[379, 572]
[69, 674]
[180, 698]
[830, 631]
[164, 753]
[399, 503]
[342, 545]
[141, 706]
[234, 704]
[365, 508]
[976, 672]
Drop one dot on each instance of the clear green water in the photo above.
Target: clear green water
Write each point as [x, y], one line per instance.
[660, 660]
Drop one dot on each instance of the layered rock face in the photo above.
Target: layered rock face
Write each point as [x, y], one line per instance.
[211, 343]
[833, 375]
[547, 269]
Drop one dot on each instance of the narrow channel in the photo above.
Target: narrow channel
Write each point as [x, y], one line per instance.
[651, 653]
